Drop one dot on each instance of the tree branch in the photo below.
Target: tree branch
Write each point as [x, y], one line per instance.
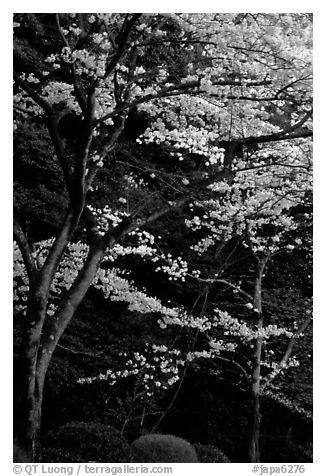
[25, 249]
[122, 44]
[175, 90]
[77, 352]
[281, 135]
[236, 364]
[60, 151]
[57, 249]
[80, 95]
[138, 223]
[227, 283]
[33, 94]
[72, 299]
[282, 364]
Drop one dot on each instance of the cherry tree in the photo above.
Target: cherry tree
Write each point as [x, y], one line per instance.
[213, 87]
[257, 208]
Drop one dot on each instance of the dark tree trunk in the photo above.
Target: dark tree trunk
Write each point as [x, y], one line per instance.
[39, 342]
[255, 417]
[254, 447]
[28, 400]
[28, 438]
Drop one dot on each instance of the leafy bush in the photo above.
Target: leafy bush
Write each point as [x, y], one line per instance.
[59, 455]
[210, 454]
[284, 449]
[88, 442]
[307, 452]
[157, 448]
[19, 455]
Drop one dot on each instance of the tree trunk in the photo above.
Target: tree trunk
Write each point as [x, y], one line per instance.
[254, 447]
[39, 341]
[30, 379]
[42, 333]
[29, 416]
[29, 384]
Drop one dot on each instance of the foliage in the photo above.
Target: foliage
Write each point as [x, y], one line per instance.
[60, 455]
[88, 442]
[38, 183]
[19, 455]
[156, 448]
[215, 412]
[210, 454]
[284, 449]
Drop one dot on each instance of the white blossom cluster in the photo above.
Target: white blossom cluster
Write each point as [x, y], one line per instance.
[21, 98]
[233, 327]
[133, 181]
[176, 268]
[58, 92]
[156, 369]
[105, 104]
[117, 288]
[257, 200]
[107, 217]
[290, 363]
[71, 264]
[176, 130]
[143, 246]
[20, 280]
[109, 281]
[182, 318]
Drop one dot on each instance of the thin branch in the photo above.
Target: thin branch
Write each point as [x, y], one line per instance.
[227, 283]
[25, 249]
[122, 46]
[176, 393]
[64, 39]
[298, 135]
[154, 216]
[236, 364]
[292, 83]
[186, 88]
[172, 401]
[95, 356]
[80, 96]
[60, 152]
[282, 364]
[33, 94]
[114, 136]
[281, 135]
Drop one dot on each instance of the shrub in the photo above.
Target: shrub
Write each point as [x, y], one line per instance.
[88, 442]
[19, 455]
[155, 448]
[307, 452]
[284, 450]
[210, 454]
[59, 455]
